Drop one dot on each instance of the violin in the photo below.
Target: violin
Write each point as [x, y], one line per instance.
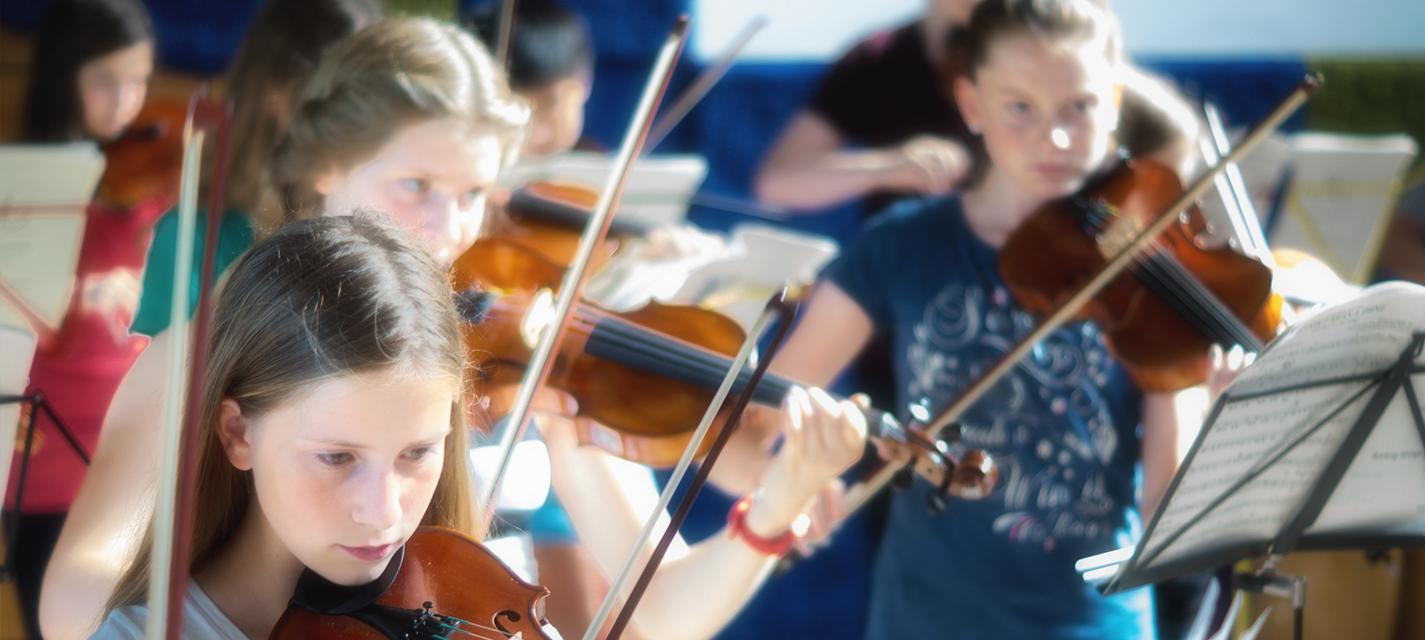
[1178, 299]
[545, 218]
[639, 381]
[145, 162]
[440, 584]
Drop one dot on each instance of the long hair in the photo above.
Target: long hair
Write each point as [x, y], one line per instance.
[993, 20]
[393, 74]
[283, 47]
[73, 33]
[319, 299]
[550, 42]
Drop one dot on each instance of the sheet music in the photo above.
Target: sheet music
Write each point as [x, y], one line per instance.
[39, 251]
[1245, 435]
[658, 190]
[43, 193]
[1381, 489]
[41, 174]
[1362, 336]
[1341, 198]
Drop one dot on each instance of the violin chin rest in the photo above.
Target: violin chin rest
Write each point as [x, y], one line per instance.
[319, 595]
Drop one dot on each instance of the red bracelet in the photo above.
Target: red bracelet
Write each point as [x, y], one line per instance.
[737, 527]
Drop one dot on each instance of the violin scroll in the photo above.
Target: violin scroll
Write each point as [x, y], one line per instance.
[951, 468]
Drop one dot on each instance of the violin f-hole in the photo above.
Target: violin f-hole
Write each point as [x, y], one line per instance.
[498, 620]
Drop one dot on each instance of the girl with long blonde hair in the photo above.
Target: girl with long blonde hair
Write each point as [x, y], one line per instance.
[409, 117]
[332, 424]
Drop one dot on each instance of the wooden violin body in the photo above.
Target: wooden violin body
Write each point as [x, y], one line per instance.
[147, 160]
[637, 383]
[447, 585]
[1161, 317]
[534, 238]
[627, 410]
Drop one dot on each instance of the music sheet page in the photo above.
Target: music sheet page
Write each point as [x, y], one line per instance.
[1255, 463]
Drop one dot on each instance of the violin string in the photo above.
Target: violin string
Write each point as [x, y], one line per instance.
[623, 349]
[683, 362]
[1187, 295]
[1153, 274]
[1236, 331]
[499, 633]
[634, 346]
[1228, 327]
[1241, 334]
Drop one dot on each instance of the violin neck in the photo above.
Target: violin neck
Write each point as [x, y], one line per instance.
[630, 345]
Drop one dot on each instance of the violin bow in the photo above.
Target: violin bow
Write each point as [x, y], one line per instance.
[1232, 187]
[700, 87]
[505, 40]
[178, 461]
[779, 305]
[572, 286]
[857, 496]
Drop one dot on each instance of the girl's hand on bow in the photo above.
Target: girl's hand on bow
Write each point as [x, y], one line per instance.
[822, 438]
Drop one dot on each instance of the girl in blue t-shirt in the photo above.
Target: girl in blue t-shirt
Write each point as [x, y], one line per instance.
[1041, 88]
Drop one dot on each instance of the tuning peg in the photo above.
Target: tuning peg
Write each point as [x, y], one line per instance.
[904, 478]
[936, 502]
[951, 433]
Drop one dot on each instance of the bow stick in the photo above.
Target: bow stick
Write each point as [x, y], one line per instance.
[173, 510]
[700, 87]
[778, 305]
[572, 286]
[505, 39]
[857, 496]
[1232, 187]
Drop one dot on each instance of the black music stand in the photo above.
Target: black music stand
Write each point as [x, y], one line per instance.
[1318, 445]
[37, 403]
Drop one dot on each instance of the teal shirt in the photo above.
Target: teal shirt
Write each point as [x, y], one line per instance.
[234, 237]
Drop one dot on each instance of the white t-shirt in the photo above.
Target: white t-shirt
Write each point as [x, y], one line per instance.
[201, 620]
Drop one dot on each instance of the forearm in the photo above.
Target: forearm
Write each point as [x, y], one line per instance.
[825, 180]
[1161, 448]
[108, 515]
[694, 597]
[696, 590]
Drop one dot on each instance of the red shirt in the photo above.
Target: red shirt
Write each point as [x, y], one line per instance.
[80, 370]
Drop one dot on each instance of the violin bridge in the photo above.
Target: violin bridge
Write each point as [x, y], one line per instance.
[1119, 233]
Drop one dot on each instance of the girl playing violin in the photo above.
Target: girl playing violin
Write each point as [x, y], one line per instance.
[373, 129]
[409, 116]
[87, 81]
[1041, 87]
[333, 425]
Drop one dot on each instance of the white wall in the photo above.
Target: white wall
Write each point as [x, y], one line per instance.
[1273, 27]
[809, 30]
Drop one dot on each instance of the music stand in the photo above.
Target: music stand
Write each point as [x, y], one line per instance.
[1320, 444]
[37, 404]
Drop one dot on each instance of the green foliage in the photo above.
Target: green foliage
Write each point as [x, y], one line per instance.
[1370, 97]
[438, 9]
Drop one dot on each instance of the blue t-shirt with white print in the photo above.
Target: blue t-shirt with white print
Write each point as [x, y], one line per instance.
[1063, 428]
